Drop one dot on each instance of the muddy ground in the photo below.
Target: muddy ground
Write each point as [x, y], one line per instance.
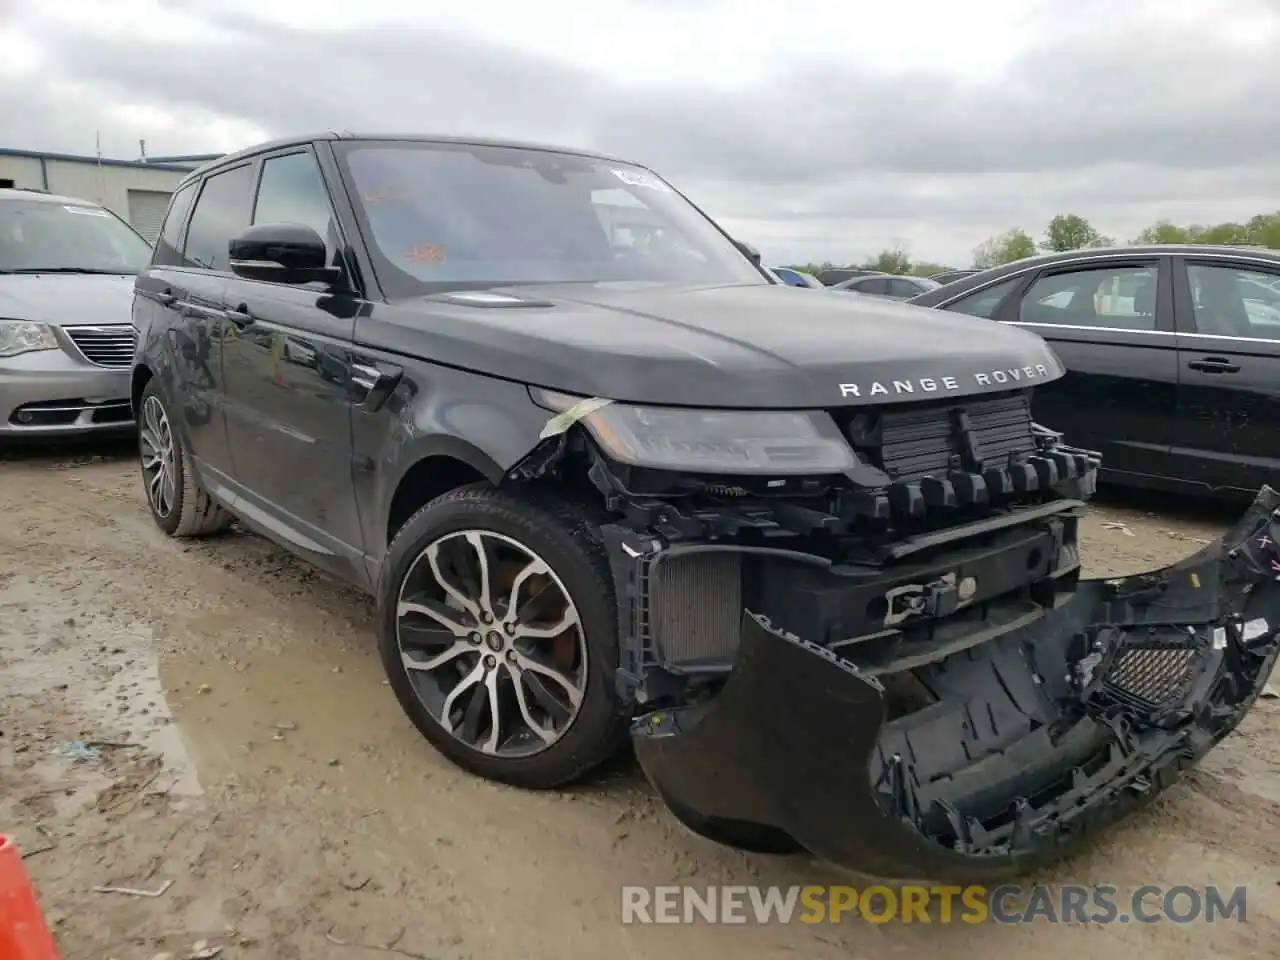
[245, 756]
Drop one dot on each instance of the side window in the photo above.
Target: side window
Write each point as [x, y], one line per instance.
[1235, 302]
[222, 214]
[876, 285]
[903, 288]
[1121, 298]
[292, 191]
[168, 248]
[983, 303]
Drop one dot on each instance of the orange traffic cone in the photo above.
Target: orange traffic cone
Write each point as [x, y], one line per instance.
[23, 933]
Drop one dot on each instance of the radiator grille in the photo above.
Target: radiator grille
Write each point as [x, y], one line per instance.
[1152, 677]
[108, 346]
[697, 607]
[918, 442]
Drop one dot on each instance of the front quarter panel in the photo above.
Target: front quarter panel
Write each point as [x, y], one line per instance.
[436, 411]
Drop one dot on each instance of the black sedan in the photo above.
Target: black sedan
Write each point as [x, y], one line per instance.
[1172, 352]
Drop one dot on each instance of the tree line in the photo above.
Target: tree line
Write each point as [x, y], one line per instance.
[1069, 231]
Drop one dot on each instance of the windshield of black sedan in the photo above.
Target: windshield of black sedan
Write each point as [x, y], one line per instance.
[448, 214]
[39, 235]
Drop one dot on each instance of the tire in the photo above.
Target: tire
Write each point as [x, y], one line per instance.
[565, 538]
[188, 511]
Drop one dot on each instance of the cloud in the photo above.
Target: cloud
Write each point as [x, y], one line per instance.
[815, 131]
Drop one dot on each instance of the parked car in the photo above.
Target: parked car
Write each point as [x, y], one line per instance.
[797, 278]
[602, 491]
[840, 274]
[66, 340]
[1172, 355]
[888, 285]
[948, 276]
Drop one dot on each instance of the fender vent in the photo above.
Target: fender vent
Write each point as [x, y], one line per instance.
[696, 603]
[1151, 678]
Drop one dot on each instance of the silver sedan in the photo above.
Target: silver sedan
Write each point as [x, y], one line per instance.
[66, 339]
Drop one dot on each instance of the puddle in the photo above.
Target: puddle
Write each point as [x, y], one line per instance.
[109, 674]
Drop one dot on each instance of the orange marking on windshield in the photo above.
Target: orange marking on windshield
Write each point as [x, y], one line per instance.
[426, 253]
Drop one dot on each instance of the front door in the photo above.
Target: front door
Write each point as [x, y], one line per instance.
[286, 363]
[1112, 327]
[1228, 321]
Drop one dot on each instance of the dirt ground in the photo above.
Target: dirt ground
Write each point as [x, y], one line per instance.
[209, 719]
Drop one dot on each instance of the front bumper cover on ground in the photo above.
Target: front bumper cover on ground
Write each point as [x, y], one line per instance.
[1034, 741]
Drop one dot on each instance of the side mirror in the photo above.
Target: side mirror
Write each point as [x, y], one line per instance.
[281, 253]
[751, 252]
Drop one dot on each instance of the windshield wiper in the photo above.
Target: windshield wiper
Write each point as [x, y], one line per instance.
[69, 270]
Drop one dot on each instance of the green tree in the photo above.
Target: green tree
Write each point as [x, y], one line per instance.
[1009, 246]
[891, 260]
[1264, 230]
[1067, 231]
[1163, 232]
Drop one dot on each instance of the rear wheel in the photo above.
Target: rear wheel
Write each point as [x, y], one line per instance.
[179, 505]
[498, 632]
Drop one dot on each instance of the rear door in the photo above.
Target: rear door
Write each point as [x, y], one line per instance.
[186, 284]
[1228, 325]
[1111, 323]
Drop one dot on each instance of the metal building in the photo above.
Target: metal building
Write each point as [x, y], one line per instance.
[137, 190]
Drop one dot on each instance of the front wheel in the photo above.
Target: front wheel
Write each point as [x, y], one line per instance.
[498, 632]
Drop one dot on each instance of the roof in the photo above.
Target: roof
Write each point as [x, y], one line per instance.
[344, 135]
[1143, 249]
[97, 161]
[41, 196]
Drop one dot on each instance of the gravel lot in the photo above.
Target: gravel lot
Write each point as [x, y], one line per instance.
[294, 813]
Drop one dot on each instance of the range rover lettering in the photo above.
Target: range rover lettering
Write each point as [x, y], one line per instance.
[607, 480]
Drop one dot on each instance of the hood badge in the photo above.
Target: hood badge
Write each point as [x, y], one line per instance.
[926, 385]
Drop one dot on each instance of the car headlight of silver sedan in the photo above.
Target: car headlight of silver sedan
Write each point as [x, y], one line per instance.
[24, 336]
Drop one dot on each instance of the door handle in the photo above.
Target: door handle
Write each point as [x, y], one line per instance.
[377, 379]
[1214, 365]
[166, 298]
[240, 316]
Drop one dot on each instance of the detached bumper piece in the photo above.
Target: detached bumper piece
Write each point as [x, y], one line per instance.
[993, 760]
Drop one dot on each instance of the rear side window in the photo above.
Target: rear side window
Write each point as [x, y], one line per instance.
[222, 213]
[903, 288]
[984, 302]
[1119, 298]
[168, 249]
[876, 286]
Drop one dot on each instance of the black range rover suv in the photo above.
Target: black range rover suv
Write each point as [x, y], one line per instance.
[607, 479]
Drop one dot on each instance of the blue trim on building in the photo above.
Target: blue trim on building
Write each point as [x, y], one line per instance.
[159, 164]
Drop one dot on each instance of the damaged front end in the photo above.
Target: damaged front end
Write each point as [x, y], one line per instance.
[899, 668]
[974, 759]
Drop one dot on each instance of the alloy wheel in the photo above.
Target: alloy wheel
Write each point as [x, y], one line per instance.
[492, 643]
[158, 453]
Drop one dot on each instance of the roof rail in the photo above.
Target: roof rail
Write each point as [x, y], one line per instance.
[32, 190]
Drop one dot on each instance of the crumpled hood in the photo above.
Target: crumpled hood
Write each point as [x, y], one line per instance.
[66, 299]
[748, 345]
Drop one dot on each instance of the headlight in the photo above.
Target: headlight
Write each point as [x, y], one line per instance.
[24, 336]
[706, 441]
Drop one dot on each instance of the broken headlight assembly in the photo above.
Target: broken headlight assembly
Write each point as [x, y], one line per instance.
[784, 442]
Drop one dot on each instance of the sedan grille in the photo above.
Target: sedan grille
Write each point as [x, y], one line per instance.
[107, 346]
[921, 441]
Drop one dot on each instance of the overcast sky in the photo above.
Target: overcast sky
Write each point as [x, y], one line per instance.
[816, 130]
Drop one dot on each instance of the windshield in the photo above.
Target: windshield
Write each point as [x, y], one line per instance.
[441, 215]
[38, 236]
